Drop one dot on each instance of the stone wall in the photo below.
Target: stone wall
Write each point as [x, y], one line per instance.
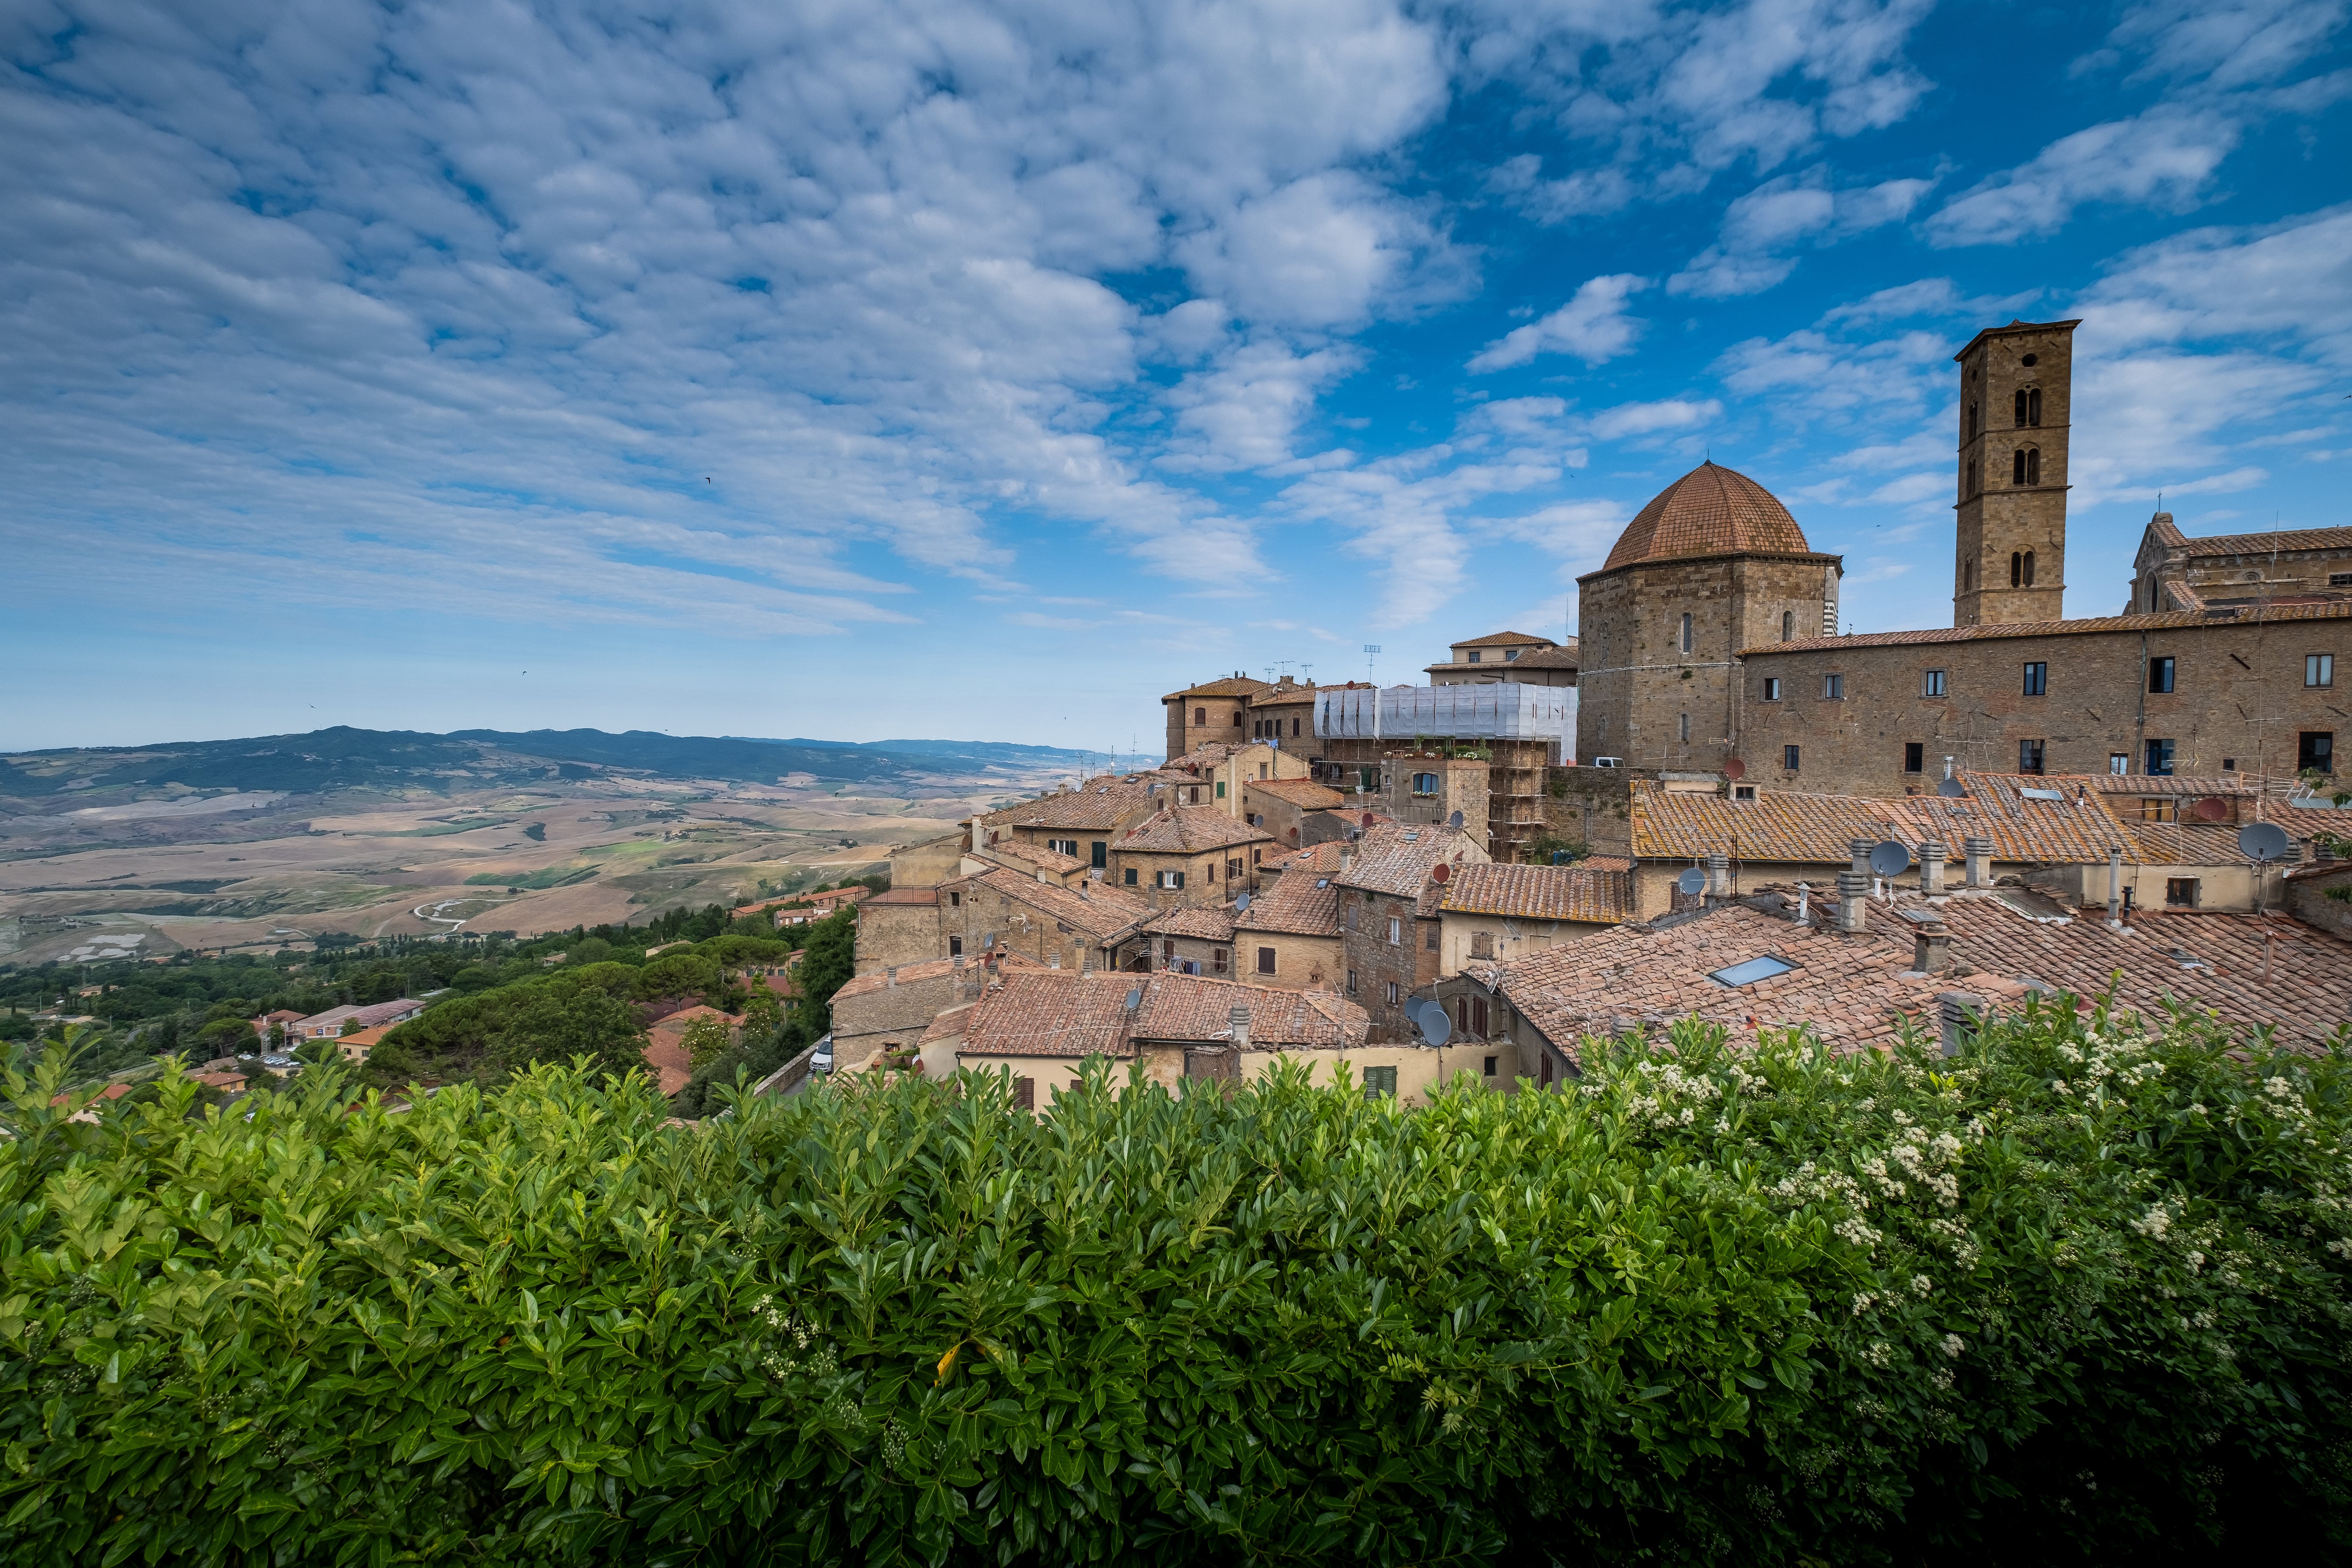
[2237, 703]
[2307, 899]
[892, 932]
[1998, 518]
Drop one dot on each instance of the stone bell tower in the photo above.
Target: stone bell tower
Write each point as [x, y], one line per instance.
[2016, 389]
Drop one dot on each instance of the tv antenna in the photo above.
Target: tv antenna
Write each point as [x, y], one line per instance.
[1371, 651]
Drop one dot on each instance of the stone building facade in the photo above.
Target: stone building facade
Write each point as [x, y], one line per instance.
[1390, 924]
[2252, 690]
[1214, 710]
[1519, 657]
[2288, 566]
[2015, 406]
[1189, 855]
[1713, 564]
[898, 927]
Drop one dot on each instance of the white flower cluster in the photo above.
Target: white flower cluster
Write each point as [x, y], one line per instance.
[1955, 1235]
[794, 1341]
[1953, 1345]
[1674, 1097]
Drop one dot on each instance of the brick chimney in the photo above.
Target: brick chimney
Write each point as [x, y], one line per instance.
[1931, 867]
[1980, 854]
[1931, 948]
[1239, 1019]
[1718, 876]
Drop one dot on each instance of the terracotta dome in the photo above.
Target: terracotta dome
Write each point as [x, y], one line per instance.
[1711, 511]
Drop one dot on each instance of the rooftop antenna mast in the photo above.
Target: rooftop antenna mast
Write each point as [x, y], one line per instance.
[1371, 651]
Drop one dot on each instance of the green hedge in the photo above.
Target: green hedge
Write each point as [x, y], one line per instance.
[2074, 1297]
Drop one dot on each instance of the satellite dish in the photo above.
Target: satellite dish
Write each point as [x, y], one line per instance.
[2264, 841]
[1890, 859]
[2213, 808]
[1134, 998]
[1733, 768]
[1368, 819]
[1434, 1025]
[1453, 821]
[1693, 882]
[1439, 872]
[1241, 904]
[1952, 789]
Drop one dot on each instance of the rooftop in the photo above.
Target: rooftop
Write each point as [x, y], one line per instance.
[1099, 807]
[1304, 794]
[928, 896]
[1395, 857]
[1189, 830]
[1540, 893]
[1711, 511]
[1055, 1013]
[1859, 989]
[1503, 639]
[1208, 922]
[1230, 685]
[929, 969]
[1098, 909]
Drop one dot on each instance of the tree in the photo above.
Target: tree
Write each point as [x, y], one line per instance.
[678, 975]
[826, 966]
[705, 1038]
[550, 1025]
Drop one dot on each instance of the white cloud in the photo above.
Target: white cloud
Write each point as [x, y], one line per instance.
[1592, 326]
[1330, 249]
[2287, 281]
[1928, 297]
[1244, 413]
[1762, 226]
[2161, 159]
[1650, 418]
[2233, 43]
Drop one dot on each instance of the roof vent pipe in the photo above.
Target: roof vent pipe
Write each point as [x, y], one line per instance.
[1854, 895]
[1931, 867]
[1718, 874]
[1861, 849]
[2114, 888]
[1931, 948]
[1239, 1019]
[1980, 854]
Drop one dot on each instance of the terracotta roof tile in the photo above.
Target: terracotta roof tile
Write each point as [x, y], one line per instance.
[1100, 911]
[1099, 807]
[1035, 856]
[1302, 901]
[1540, 893]
[1205, 923]
[1057, 1014]
[1855, 990]
[925, 896]
[1395, 857]
[1304, 794]
[1498, 640]
[1711, 511]
[1231, 686]
[2263, 543]
[1189, 830]
[2180, 784]
[932, 969]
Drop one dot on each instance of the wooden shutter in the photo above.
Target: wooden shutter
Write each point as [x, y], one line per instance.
[1024, 1093]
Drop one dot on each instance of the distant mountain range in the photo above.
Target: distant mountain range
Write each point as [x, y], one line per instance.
[346, 758]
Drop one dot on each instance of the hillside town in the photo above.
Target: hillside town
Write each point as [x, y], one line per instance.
[1711, 803]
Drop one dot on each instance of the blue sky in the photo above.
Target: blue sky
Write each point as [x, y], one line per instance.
[942, 369]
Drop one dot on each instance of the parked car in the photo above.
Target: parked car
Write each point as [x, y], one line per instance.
[823, 1060]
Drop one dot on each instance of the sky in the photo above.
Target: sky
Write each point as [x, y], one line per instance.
[927, 368]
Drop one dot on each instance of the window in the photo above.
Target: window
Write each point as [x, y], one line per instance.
[1424, 783]
[1834, 687]
[1685, 726]
[1368, 778]
[1237, 718]
[1931, 683]
[1686, 640]
[1788, 625]
[1771, 688]
[1973, 421]
[955, 900]
[1212, 871]
[1509, 655]
[1474, 656]
[1428, 936]
[2017, 568]
[1968, 574]
[2160, 810]
[1789, 758]
[1130, 878]
[2118, 764]
[1199, 715]
[1396, 931]
[955, 947]
[1168, 951]
[1752, 970]
[1024, 1094]
[1064, 847]
[1351, 982]
[1218, 960]
[1478, 1017]
[2319, 669]
[1915, 757]
[1221, 789]
[1394, 995]
[1171, 878]
[2314, 751]
[1743, 791]
[2157, 763]
[1266, 960]
[1482, 944]
[2160, 674]
[2180, 892]
[1490, 1067]
[2025, 466]
[2037, 679]
[1293, 727]
[1380, 1083]
[2028, 756]
[1100, 854]
[2029, 407]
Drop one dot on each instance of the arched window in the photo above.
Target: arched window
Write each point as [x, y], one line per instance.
[2033, 465]
[1237, 718]
[1788, 625]
[2034, 409]
[1973, 421]
[2021, 407]
[2016, 569]
[2017, 467]
[1968, 574]
[2029, 569]
[1686, 634]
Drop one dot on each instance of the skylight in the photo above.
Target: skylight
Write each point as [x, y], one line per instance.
[2043, 794]
[1750, 973]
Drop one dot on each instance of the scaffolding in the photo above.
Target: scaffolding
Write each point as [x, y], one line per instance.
[1501, 712]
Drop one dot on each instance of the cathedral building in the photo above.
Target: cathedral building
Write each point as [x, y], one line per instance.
[1709, 634]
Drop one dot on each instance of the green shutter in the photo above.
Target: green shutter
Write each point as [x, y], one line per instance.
[1380, 1083]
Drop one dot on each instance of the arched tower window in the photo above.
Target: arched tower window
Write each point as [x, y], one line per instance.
[1969, 575]
[2020, 408]
[2029, 569]
[2025, 466]
[2034, 409]
[2017, 569]
[1973, 421]
[1686, 634]
[1788, 625]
